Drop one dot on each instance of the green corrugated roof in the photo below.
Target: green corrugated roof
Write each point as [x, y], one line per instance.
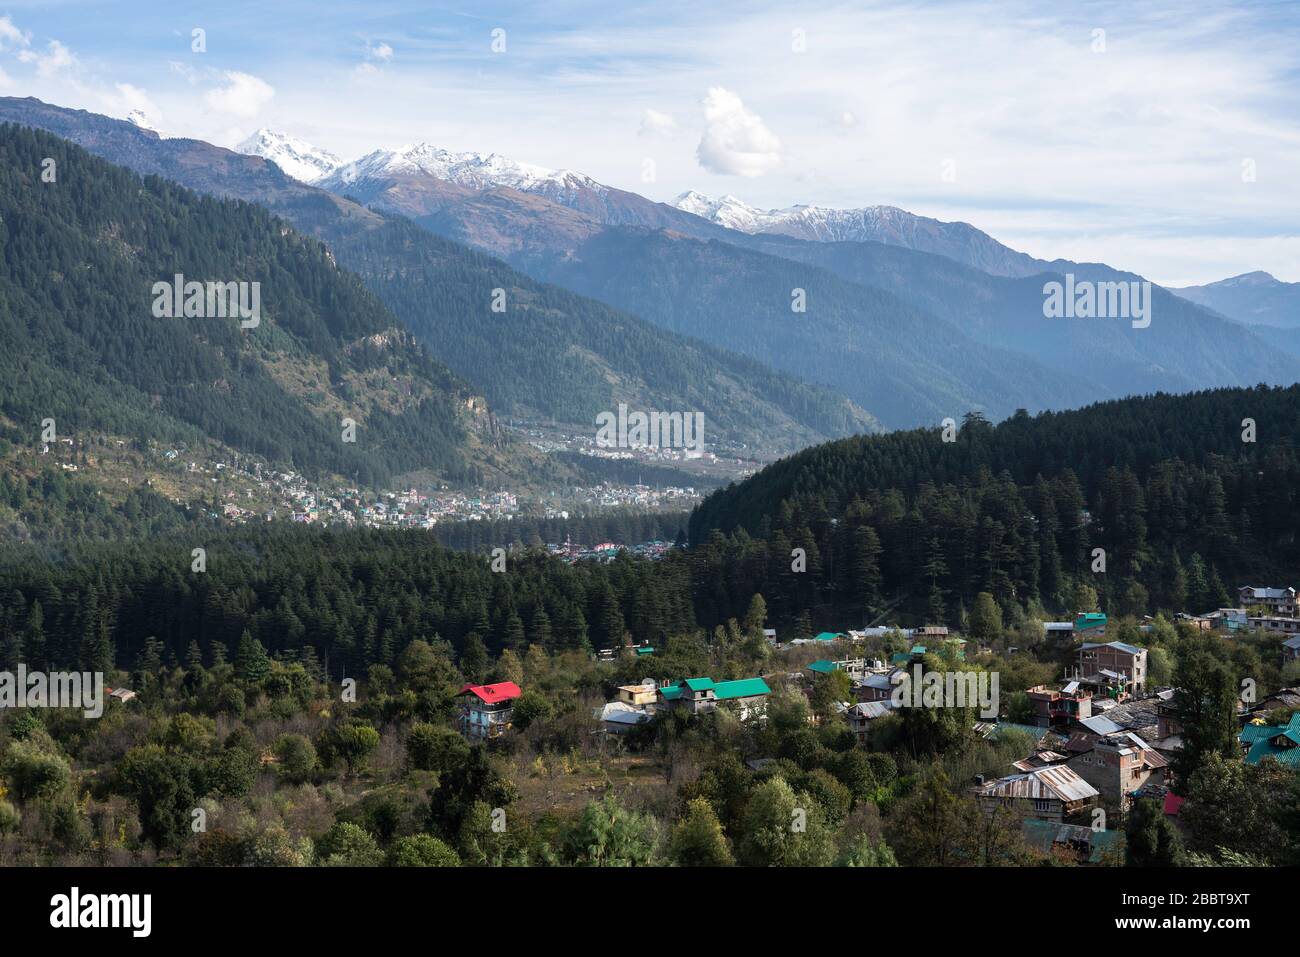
[829, 636]
[698, 684]
[1092, 619]
[744, 688]
[1260, 738]
[1042, 835]
[671, 693]
[918, 649]
[645, 651]
[823, 667]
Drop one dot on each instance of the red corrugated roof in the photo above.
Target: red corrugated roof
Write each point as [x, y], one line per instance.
[1173, 803]
[493, 694]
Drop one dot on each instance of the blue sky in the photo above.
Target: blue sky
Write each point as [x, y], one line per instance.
[1168, 144]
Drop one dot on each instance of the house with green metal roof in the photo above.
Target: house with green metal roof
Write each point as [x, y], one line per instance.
[1279, 742]
[829, 636]
[700, 695]
[823, 667]
[1073, 842]
[1090, 624]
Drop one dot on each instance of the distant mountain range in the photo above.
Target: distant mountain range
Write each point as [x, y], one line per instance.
[1254, 297]
[907, 317]
[910, 317]
[551, 354]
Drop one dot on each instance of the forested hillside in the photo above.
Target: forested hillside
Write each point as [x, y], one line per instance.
[1183, 507]
[82, 345]
[351, 599]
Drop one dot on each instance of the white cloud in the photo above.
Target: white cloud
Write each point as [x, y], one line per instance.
[654, 123]
[736, 141]
[57, 59]
[11, 36]
[243, 95]
[381, 51]
[130, 99]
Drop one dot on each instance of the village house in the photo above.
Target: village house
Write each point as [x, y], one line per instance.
[1119, 764]
[1102, 664]
[748, 696]
[1275, 624]
[1058, 709]
[876, 687]
[1051, 793]
[1279, 742]
[618, 718]
[1291, 649]
[486, 710]
[1282, 698]
[1074, 843]
[644, 695]
[1278, 601]
[860, 716]
[1228, 619]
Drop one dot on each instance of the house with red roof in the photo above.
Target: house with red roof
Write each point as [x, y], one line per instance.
[486, 710]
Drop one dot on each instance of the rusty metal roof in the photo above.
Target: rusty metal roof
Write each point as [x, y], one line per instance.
[1054, 782]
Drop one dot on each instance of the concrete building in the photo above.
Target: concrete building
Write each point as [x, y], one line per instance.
[1127, 662]
[1278, 601]
[1119, 764]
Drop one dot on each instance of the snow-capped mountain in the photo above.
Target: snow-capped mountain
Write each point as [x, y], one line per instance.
[301, 160]
[474, 170]
[138, 119]
[881, 224]
[733, 213]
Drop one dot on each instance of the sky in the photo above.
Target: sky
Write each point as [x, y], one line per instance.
[1163, 138]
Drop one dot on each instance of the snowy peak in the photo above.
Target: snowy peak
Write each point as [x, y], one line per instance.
[812, 222]
[301, 160]
[475, 170]
[733, 213]
[137, 119]
[882, 224]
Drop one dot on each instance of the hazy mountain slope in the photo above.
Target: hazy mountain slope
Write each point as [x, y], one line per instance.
[909, 366]
[591, 358]
[1185, 347]
[1254, 297]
